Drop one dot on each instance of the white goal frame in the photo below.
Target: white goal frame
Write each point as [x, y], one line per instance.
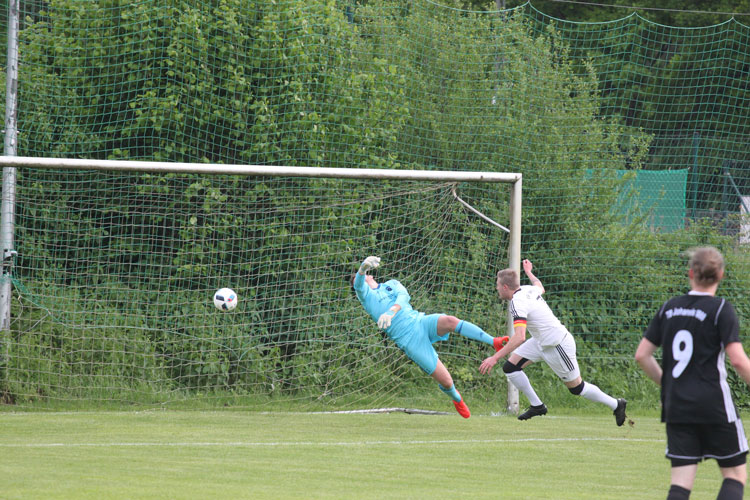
[10, 163]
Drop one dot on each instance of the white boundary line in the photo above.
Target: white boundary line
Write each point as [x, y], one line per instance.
[250, 444]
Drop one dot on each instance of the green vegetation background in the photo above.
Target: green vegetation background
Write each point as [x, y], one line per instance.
[334, 84]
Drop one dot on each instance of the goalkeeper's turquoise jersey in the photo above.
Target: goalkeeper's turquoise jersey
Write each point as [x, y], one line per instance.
[378, 300]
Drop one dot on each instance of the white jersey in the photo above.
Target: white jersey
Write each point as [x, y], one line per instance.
[529, 309]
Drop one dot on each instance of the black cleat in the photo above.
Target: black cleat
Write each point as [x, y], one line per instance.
[534, 411]
[620, 412]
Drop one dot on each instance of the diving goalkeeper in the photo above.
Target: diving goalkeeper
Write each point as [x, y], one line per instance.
[413, 331]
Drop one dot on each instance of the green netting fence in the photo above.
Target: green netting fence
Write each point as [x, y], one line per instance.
[632, 137]
[657, 197]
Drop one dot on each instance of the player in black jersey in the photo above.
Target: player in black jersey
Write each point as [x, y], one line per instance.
[695, 332]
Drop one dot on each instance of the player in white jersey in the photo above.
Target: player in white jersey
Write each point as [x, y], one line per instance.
[550, 342]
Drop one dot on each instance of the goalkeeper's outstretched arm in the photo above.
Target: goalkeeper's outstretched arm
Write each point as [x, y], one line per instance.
[359, 279]
[371, 262]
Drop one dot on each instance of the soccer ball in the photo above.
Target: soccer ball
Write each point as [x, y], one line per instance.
[225, 299]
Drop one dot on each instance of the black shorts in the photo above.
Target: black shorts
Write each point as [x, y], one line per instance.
[688, 444]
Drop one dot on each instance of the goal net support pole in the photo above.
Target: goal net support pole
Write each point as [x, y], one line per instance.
[9, 173]
[514, 262]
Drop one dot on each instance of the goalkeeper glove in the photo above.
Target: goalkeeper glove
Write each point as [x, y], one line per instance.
[370, 262]
[384, 321]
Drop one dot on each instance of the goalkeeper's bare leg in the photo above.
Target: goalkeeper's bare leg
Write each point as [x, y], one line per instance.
[445, 382]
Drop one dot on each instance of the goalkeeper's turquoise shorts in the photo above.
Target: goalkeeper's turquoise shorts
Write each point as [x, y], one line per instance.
[417, 344]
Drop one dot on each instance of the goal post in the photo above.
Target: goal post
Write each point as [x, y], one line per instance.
[117, 262]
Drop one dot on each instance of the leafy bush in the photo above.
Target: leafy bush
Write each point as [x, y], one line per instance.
[309, 83]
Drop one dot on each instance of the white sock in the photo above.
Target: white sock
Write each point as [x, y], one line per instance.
[521, 381]
[593, 393]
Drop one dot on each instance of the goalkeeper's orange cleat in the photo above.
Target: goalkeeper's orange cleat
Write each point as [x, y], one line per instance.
[462, 409]
[499, 342]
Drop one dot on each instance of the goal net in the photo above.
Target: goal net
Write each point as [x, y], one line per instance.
[116, 269]
[631, 136]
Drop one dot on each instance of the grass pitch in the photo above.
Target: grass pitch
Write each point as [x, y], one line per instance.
[233, 454]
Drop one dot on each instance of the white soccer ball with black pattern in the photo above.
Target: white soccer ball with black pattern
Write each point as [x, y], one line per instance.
[225, 299]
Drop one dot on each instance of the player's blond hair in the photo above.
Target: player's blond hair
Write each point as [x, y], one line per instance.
[509, 277]
[707, 263]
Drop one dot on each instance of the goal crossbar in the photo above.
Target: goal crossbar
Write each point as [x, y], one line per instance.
[259, 170]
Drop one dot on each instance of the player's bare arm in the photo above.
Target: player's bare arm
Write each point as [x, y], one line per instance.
[519, 336]
[527, 267]
[644, 355]
[739, 360]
